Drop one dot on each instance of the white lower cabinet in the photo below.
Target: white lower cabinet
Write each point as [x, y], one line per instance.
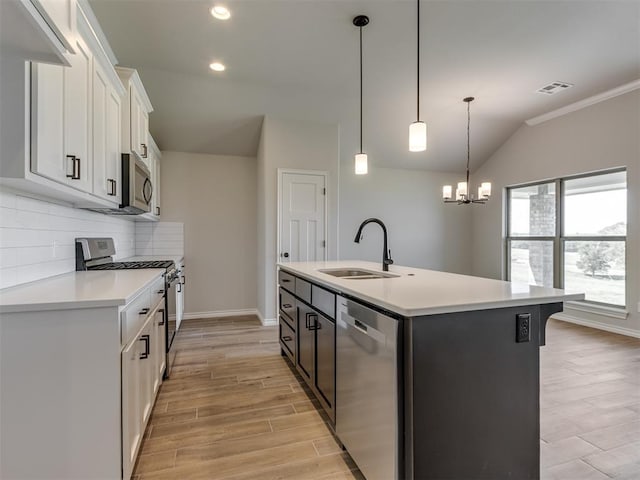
[131, 400]
[78, 387]
[142, 357]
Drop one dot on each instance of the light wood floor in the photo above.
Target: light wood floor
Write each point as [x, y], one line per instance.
[233, 409]
[590, 404]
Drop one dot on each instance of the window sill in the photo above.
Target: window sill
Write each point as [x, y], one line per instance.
[619, 313]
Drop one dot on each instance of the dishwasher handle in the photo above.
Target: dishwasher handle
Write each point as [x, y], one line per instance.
[363, 328]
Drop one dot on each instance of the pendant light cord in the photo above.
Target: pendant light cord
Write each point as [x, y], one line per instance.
[360, 89]
[418, 65]
[468, 143]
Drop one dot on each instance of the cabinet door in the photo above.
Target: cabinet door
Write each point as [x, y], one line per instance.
[113, 143]
[47, 122]
[61, 120]
[106, 137]
[180, 298]
[326, 359]
[160, 347]
[144, 132]
[147, 370]
[306, 341]
[77, 116]
[139, 126]
[156, 187]
[131, 414]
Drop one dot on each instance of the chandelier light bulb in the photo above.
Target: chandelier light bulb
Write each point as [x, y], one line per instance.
[462, 188]
[446, 192]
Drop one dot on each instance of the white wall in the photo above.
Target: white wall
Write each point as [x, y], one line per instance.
[296, 145]
[602, 136]
[215, 197]
[423, 231]
[37, 238]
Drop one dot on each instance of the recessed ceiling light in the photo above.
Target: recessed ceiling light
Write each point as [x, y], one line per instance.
[220, 12]
[217, 67]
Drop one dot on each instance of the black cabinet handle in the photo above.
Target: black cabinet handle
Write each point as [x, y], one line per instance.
[112, 187]
[308, 321]
[76, 171]
[144, 311]
[285, 280]
[179, 287]
[287, 305]
[157, 210]
[160, 292]
[161, 310]
[184, 280]
[145, 354]
[287, 338]
[144, 150]
[73, 165]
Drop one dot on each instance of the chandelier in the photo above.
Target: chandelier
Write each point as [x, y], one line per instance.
[463, 194]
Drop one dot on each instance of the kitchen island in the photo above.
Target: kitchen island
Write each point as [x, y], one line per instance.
[436, 375]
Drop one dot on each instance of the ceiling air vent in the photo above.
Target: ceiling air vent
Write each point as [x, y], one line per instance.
[554, 87]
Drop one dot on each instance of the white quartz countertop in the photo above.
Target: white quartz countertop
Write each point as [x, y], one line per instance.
[417, 292]
[177, 259]
[93, 289]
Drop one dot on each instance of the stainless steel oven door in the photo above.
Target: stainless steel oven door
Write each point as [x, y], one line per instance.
[173, 282]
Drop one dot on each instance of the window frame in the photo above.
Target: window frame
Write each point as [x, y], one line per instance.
[559, 239]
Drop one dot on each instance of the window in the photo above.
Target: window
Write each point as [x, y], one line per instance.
[570, 233]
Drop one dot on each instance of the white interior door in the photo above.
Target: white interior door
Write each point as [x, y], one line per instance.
[302, 210]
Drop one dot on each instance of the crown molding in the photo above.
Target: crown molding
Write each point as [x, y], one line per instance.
[587, 102]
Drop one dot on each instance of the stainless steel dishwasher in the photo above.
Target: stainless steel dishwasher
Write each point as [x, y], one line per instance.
[367, 416]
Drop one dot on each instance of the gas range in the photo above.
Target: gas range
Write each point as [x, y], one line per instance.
[166, 264]
[97, 254]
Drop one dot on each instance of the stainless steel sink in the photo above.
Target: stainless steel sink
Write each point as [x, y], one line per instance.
[356, 273]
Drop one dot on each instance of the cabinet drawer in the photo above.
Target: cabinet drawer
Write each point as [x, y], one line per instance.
[288, 305]
[134, 316]
[324, 300]
[286, 280]
[157, 293]
[288, 339]
[303, 290]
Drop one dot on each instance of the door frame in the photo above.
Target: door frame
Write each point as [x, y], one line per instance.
[281, 173]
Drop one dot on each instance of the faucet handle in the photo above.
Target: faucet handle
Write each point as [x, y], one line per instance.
[388, 260]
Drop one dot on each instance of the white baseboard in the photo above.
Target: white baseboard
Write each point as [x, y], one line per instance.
[229, 313]
[267, 322]
[600, 326]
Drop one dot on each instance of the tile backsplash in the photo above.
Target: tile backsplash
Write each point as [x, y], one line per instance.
[37, 238]
[162, 238]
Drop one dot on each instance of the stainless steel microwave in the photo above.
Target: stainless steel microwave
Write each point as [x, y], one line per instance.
[137, 189]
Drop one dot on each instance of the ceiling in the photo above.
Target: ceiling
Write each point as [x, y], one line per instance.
[298, 60]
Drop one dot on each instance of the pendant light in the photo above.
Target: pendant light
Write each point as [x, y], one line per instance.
[463, 194]
[361, 159]
[418, 129]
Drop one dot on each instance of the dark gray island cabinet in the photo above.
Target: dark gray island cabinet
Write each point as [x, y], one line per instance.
[430, 375]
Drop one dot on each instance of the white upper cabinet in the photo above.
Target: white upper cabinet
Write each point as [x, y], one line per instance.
[61, 120]
[135, 115]
[107, 118]
[154, 157]
[39, 30]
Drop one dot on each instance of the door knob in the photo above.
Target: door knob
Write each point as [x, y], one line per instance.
[285, 254]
